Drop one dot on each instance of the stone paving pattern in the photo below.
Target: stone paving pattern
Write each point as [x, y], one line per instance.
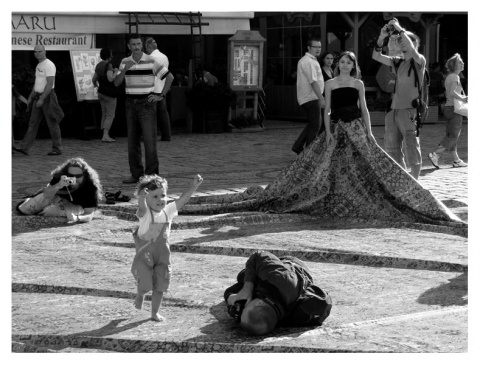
[394, 289]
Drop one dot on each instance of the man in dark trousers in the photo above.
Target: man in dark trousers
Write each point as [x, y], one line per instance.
[43, 103]
[139, 72]
[273, 291]
[163, 119]
[310, 87]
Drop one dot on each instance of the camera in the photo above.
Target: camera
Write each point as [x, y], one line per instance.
[70, 180]
[391, 29]
[236, 309]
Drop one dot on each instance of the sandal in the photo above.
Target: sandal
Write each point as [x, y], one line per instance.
[110, 198]
[121, 198]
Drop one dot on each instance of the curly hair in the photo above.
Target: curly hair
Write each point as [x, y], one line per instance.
[152, 182]
[90, 174]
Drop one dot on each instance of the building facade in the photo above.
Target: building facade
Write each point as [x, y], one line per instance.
[442, 34]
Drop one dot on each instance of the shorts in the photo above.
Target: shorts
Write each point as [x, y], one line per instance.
[150, 275]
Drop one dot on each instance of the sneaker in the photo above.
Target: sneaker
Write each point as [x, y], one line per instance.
[130, 180]
[459, 163]
[433, 159]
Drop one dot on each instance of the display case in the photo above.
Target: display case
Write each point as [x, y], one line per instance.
[245, 60]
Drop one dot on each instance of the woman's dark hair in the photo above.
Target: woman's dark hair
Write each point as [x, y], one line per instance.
[323, 55]
[350, 55]
[105, 53]
[90, 174]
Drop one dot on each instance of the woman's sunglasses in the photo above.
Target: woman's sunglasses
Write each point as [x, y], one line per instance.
[78, 176]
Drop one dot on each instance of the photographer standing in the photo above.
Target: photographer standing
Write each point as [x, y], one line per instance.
[400, 122]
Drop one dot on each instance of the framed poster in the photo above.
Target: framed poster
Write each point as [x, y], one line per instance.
[245, 66]
[245, 61]
[83, 66]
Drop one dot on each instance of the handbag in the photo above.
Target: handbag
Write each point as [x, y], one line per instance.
[460, 107]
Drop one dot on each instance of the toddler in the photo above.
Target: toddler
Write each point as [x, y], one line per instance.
[151, 266]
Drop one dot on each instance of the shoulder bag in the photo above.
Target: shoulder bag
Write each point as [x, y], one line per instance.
[460, 107]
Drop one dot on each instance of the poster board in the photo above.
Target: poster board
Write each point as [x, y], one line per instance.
[245, 66]
[83, 67]
[245, 60]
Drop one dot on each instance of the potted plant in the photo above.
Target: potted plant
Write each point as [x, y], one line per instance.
[209, 105]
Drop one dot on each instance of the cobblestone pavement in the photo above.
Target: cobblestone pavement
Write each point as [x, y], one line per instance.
[395, 289]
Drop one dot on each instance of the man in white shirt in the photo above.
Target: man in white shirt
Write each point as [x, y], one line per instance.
[163, 119]
[43, 103]
[310, 87]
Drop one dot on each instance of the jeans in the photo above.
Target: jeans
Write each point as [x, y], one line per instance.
[311, 130]
[453, 127]
[141, 120]
[108, 105]
[35, 118]
[163, 120]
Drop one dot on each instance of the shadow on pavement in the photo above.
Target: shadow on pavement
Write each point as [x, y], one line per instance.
[227, 330]
[453, 293]
[110, 329]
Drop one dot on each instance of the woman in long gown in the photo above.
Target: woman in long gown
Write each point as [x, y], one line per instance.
[343, 174]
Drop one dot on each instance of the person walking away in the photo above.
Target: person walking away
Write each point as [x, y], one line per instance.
[163, 119]
[400, 122]
[453, 124]
[107, 92]
[43, 103]
[151, 265]
[310, 86]
[139, 72]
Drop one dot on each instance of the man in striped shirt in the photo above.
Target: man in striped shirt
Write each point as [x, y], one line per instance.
[139, 72]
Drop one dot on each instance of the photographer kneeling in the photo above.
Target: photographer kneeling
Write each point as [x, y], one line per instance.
[273, 291]
[73, 192]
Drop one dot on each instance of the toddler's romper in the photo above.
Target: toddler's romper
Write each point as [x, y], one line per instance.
[151, 265]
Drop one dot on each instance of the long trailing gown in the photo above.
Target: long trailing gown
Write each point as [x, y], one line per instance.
[351, 179]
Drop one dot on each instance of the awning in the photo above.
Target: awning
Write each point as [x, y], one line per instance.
[114, 23]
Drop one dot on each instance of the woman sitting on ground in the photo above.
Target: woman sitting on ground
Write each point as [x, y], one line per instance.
[73, 192]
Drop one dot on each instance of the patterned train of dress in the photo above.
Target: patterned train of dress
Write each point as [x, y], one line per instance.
[351, 179]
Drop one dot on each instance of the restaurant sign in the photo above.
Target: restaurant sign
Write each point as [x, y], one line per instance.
[55, 33]
[52, 41]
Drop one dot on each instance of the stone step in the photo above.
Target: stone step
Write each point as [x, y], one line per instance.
[83, 307]
[387, 247]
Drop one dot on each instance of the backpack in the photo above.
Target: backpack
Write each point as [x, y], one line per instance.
[311, 308]
[387, 76]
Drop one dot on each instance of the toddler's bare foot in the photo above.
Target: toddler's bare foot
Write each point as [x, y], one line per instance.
[157, 317]
[139, 301]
